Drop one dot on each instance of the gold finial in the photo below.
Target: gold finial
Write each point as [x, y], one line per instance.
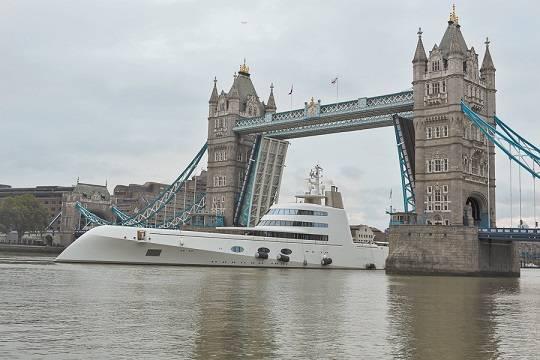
[453, 17]
[244, 68]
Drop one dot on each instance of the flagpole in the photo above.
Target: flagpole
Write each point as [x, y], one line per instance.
[291, 95]
[337, 88]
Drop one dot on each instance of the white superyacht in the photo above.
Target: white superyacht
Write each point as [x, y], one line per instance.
[312, 232]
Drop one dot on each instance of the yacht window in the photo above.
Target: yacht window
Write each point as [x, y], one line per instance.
[296, 212]
[292, 223]
[286, 251]
[153, 252]
[286, 235]
[237, 249]
[263, 250]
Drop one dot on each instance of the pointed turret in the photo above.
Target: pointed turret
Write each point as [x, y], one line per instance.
[420, 59]
[453, 42]
[487, 71]
[233, 92]
[487, 63]
[212, 103]
[214, 96]
[420, 53]
[271, 105]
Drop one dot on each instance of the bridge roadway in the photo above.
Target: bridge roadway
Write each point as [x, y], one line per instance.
[509, 234]
[316, 119]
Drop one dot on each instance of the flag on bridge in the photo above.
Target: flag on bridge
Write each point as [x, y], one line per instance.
[290, 92]
[334, 81]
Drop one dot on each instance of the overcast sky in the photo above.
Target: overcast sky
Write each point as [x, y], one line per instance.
[118, 90]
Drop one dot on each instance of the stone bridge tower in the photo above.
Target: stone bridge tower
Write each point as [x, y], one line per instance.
[228, 152]
[454, 165]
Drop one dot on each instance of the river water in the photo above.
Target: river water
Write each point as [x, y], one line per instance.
[71, 311]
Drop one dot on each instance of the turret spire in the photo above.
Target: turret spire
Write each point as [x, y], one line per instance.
[214, 96]
[420, 53]
[244, 69]
[487, 63]
[453, 17]
[271, 104]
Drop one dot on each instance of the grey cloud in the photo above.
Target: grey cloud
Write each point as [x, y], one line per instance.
[118, 90]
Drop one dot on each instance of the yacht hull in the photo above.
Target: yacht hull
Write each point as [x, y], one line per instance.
[120, 245]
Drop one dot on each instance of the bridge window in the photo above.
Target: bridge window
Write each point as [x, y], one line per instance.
[444, 86]
[429, 132]
[436, 88]
[445, 131]
[438, 201]
[218, 203]
[437, 165]
[437, 132]
[436, 65]
[220, 155]
[220, 181]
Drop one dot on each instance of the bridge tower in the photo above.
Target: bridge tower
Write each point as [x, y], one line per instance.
[454, 169]
[454, 162]
[228, 152]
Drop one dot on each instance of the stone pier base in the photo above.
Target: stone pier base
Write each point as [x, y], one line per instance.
[448, 250]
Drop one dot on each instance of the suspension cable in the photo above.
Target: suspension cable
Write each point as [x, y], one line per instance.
[488, 176]
[519, 180]
[511, 200]
[534, 200]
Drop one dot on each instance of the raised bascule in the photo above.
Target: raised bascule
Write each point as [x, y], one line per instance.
[446, 132]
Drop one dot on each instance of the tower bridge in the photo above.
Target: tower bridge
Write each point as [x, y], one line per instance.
[446, 132]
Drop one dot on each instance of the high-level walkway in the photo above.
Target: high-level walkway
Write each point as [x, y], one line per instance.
[317, 119]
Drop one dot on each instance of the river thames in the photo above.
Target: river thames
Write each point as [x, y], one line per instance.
[71, 311]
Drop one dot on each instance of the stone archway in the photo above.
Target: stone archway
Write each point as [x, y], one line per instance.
[476, 212]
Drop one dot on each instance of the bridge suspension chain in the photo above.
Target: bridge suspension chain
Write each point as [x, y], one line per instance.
[89, 216]
[167, 195]
[528, 155]
[155, 206]
[519, 151]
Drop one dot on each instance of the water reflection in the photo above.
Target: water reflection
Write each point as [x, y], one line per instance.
[72, 311]
[234, 316]
[445, 318]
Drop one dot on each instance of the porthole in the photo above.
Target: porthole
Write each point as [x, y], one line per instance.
[263, 250]
[237, 249]
[286, 251]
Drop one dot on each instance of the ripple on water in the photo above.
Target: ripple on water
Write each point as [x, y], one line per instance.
[65, 311]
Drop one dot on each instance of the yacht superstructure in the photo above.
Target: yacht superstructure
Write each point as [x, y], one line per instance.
[312, 232]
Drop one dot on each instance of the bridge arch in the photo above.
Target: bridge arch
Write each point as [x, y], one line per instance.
[475, 211]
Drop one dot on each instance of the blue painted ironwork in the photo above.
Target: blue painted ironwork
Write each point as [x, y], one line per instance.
[89, 216]
[519, 150]
[510, 234]
[243, 205]
[176, 222]
[54, 220]
[120, 215]
[405, 166]
[317, 119]
[167, 195]
[313, 129]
